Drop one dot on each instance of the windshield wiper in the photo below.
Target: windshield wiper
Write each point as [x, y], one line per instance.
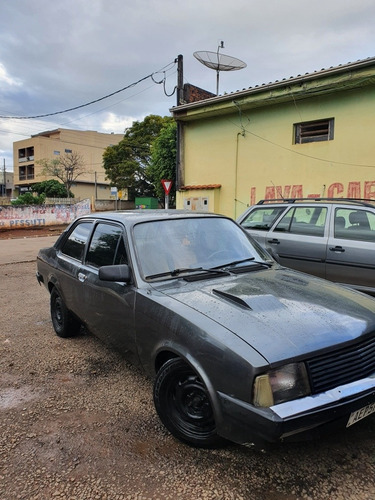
[176, 272]
[235, 262]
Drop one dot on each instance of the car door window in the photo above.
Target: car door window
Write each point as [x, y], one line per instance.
[354, 224]
[262, 218]
[74, 246]
[106, 246]
[304, 220]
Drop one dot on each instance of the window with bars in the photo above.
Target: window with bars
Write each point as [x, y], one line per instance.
[314, 131]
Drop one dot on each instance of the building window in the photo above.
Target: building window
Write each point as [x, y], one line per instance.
[26, 154]
[26, 173]
[56, 153]
[22, 173]
[68, 151]
[315, 131]
[30, 172]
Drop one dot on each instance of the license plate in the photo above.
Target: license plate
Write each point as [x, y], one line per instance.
[358, 415]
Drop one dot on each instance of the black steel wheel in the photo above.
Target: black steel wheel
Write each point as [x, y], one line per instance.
[183, 405]
[64, 323]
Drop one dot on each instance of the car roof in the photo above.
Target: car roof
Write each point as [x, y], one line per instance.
[132, 217]
[337, 201]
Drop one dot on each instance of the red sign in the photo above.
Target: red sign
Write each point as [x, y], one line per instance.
[166, 185]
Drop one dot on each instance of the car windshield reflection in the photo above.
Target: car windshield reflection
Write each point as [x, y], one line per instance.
[169, 248]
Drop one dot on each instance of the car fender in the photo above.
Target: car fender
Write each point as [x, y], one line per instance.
[169, 351]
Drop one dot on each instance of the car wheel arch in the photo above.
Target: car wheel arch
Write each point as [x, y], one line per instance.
[165, 355]
[52, 283]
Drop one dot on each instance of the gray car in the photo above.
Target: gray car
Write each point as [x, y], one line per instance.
[239, 348]
[330, 238]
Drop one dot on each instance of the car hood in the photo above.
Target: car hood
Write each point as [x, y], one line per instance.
[281, 313]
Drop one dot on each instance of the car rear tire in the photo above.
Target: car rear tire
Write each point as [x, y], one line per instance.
[64, 323]
[183, 405]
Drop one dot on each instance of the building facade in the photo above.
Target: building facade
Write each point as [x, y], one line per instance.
[6, 185]
[305, 136]
[50, 145]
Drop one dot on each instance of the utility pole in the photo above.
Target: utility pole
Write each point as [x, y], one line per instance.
[4, 189]
[180, 79]
[180, 100]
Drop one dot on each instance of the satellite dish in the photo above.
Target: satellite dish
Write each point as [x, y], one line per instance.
[219, 62]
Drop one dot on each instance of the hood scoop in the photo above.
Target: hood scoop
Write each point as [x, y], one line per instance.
[232, 298]
[254, 302]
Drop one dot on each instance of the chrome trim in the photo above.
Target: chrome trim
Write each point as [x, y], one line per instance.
[302, 405]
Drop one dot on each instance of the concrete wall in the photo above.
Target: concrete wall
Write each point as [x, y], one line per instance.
[108, 205]
[13, 217]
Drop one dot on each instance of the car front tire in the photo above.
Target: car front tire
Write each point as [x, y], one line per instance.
[183, 405]
[64, 323]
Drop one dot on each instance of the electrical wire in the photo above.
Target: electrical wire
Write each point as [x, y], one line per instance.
[325, 160]
[151, 75]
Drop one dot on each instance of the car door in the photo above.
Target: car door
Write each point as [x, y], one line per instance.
[351, 247]
[108, 307]
[299, 238]
[69, 261]
[257, 221]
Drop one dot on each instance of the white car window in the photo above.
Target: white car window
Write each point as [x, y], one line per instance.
[354, 224]
[304, 220]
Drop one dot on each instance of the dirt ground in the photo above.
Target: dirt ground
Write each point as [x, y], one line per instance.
[78, 423]
[6, 234]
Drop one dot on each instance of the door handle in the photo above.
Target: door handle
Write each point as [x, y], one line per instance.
[274, 241]
[82, 277]
[337, 249]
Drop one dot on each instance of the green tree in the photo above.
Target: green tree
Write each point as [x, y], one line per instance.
[29, 199]
[163, 160]
[67, 167]
[52, 189]
[126, 163]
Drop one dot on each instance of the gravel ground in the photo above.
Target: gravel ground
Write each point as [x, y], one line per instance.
[78, 423]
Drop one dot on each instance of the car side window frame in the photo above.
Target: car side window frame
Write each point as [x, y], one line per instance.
[68, 242]
[361, 230]
[292, 222]
[120, 246]
[263, 225]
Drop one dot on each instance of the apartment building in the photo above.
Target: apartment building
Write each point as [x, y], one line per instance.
[50, 145]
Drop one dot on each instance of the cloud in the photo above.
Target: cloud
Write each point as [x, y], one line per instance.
[54, 56]
[5, 78]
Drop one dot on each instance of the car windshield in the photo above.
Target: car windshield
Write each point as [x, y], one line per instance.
[176, 246]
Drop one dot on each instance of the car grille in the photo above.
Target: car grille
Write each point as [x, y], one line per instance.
[342, 367]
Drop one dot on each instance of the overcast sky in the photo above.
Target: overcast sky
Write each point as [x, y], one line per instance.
[59, 55]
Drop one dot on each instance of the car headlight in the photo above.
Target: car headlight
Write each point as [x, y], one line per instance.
[282, 384]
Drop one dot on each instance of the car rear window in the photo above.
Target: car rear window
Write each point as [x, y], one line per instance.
[74, 245]
[354, 224]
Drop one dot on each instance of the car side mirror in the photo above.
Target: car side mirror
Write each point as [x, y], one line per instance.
[120, 272]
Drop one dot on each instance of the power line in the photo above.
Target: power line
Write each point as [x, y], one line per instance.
[326, 160]
[151, 75]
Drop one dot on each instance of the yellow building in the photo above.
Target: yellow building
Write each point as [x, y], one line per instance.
[305, 136]
[53, 143]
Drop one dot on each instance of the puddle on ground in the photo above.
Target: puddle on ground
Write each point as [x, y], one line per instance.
[13, 397]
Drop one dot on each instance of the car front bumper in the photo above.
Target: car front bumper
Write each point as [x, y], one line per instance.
[300, 419]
